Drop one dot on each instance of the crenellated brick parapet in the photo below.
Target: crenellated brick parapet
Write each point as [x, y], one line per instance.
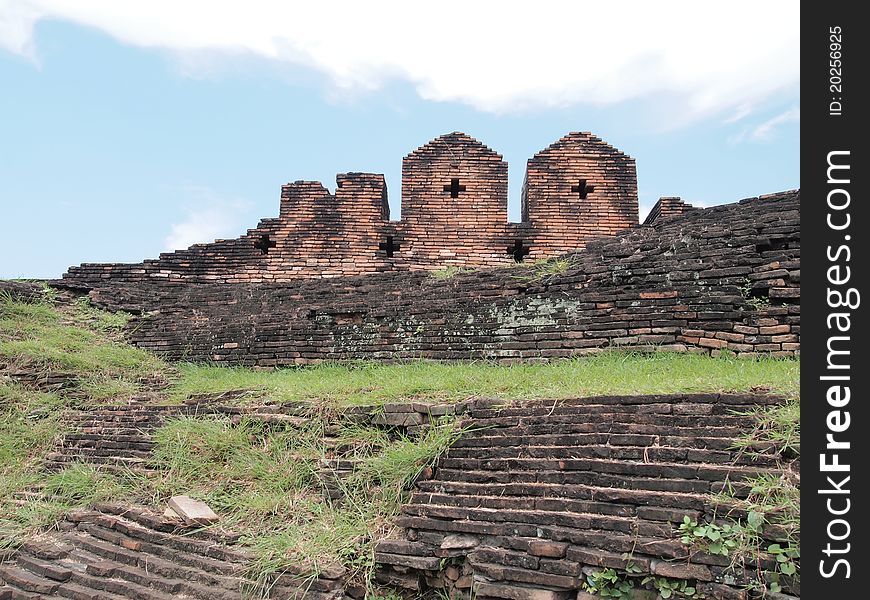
[454, 213]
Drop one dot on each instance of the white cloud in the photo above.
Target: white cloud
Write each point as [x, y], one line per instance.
[708, 57]
[208, 218]
[766, 130]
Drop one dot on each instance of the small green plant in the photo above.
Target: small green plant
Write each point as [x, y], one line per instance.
[754, 299]
[739, 540]
[609, 583]
[786, 564]
[545, 270]
[722, 540]
[671, 588]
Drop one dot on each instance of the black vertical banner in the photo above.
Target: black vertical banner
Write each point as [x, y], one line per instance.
[835, 431]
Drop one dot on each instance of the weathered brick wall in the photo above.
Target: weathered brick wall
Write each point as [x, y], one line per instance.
[718, 279]
[454, 213]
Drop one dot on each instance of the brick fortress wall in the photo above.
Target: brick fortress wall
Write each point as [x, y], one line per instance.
[454, 213]
[721, 279]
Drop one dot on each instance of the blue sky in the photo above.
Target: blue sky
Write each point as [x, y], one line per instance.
[124, 133]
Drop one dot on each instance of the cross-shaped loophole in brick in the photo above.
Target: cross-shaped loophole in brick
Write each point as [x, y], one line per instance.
[518, 250]
[390, 246]
[454, 188]
[583, 190]
[264, 243]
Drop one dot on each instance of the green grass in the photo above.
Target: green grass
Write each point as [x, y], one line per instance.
[31, 423]
[605, 373]
[268, 483]
[778, 429]
[77, 339]
[449, 272]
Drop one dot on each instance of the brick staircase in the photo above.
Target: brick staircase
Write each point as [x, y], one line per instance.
[534, 497]
[116, 551]
[111, 436]
[120, 436]
[122, 551]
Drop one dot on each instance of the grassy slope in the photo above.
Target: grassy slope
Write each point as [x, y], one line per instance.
[606, 373]
[265, 482]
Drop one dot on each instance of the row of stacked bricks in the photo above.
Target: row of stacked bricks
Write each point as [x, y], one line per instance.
[454, 213]
[722, 279]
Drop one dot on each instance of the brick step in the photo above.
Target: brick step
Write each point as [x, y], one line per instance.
[519, 426]
[603, 480]
[623, 452]
[127, 414]
[103, 460]
[74, 591]
[105, 555]
[152, 528]
[22, 582]
[107, 444]
[637, 497]
[115, 432]
[187, 559]
[129, 411]
[657, 470]
[43, 568]
[514, 512]
[132, 565]
[138, 438]
[610, 541]
[617, 411]
[522, 437]
[108, 453]
[109, 424]
[546, 503]
[146, 569]
[518, 574]
[104, 583]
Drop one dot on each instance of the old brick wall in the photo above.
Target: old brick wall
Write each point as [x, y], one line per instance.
[454, 213]
[717, 279]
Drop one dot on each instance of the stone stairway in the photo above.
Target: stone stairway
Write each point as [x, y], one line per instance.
[534, 497]
[117, 551]
[111, 436]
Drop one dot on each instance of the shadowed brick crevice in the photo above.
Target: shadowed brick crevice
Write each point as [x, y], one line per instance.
[712, 280]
